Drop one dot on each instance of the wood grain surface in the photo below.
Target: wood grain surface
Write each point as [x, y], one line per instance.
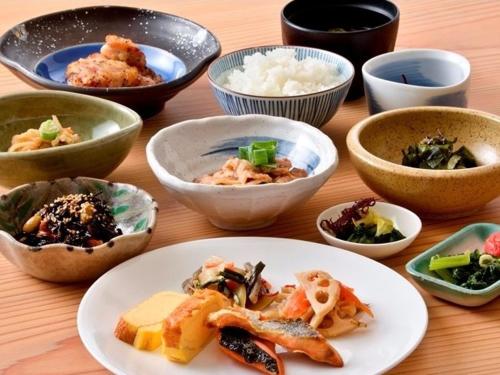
[38, 332]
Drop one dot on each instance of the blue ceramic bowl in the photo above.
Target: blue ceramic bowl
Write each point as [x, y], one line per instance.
[180, 153]
[315, 109]
[469, 238]
[39, 50]
[416, 77]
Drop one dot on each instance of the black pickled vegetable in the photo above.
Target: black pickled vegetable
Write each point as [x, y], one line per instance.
[437, 153]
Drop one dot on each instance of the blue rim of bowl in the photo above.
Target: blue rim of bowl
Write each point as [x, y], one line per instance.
[137, 190]
[134, 126]
[212, 80]
[434, 280]
[386, 165]
[367, 245]
[402, 52]
[395, 18]
[179, 82]
[165, 174]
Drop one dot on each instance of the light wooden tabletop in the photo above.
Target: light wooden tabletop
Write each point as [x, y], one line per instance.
[38, 332]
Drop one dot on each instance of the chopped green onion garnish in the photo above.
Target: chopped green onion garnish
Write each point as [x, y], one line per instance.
[438, 263]
[485, 260]
[243, 152]
[49, 130]
[261, 153]
[259, 157]
[265, 145]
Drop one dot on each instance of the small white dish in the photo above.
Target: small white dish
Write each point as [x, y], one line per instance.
[399, 325]
[182, 152]
[408, 223]
[416, 77]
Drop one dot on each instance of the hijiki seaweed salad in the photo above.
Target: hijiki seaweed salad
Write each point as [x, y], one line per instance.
[75, 219]
[362, 224]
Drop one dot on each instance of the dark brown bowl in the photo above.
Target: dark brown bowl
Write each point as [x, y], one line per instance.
[355, 29]
[63, 35]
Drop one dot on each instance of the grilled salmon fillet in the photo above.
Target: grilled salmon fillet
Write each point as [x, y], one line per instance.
[294, 335]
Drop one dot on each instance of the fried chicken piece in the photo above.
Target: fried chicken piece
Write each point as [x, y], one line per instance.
[119, 64]
[123, 49]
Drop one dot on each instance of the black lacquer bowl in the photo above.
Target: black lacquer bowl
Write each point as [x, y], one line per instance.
[38, 50]
[355, 29]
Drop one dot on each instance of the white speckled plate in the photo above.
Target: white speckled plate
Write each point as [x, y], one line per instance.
[400, 313]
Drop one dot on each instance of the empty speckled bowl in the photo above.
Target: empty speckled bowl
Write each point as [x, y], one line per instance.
[376, 143]
[134, 211]
[38, 50]
[107, 131]
[416, 77]
[469, 238]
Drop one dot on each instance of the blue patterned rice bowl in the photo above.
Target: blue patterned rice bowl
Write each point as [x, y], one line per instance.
[315, 109]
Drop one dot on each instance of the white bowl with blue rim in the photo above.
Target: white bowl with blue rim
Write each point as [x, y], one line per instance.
[182, 152]
[315, 109]
[416, 77]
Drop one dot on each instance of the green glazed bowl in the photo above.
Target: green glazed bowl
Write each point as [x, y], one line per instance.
[108, 131]
[133, 209]
[469, 238]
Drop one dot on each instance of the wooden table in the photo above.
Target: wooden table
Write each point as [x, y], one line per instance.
[38, 319]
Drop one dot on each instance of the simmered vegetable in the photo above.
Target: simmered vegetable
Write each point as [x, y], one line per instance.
[245, 286]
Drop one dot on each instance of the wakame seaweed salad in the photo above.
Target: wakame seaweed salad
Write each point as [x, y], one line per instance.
[437, 153]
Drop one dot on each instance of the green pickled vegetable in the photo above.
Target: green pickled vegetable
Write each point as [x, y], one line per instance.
[437, 262]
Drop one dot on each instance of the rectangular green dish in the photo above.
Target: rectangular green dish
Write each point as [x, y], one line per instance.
[468, 238]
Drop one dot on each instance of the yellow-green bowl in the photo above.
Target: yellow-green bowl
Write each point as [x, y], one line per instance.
[107, 129]
[375, 147]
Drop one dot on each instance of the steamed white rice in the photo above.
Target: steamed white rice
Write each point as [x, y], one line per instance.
[279, 73]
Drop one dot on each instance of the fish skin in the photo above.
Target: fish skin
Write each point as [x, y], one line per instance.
[294, 335]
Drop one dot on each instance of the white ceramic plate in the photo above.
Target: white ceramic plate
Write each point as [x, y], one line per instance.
[400, 313]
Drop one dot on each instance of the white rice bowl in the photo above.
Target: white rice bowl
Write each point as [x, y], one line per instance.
[279, 73]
